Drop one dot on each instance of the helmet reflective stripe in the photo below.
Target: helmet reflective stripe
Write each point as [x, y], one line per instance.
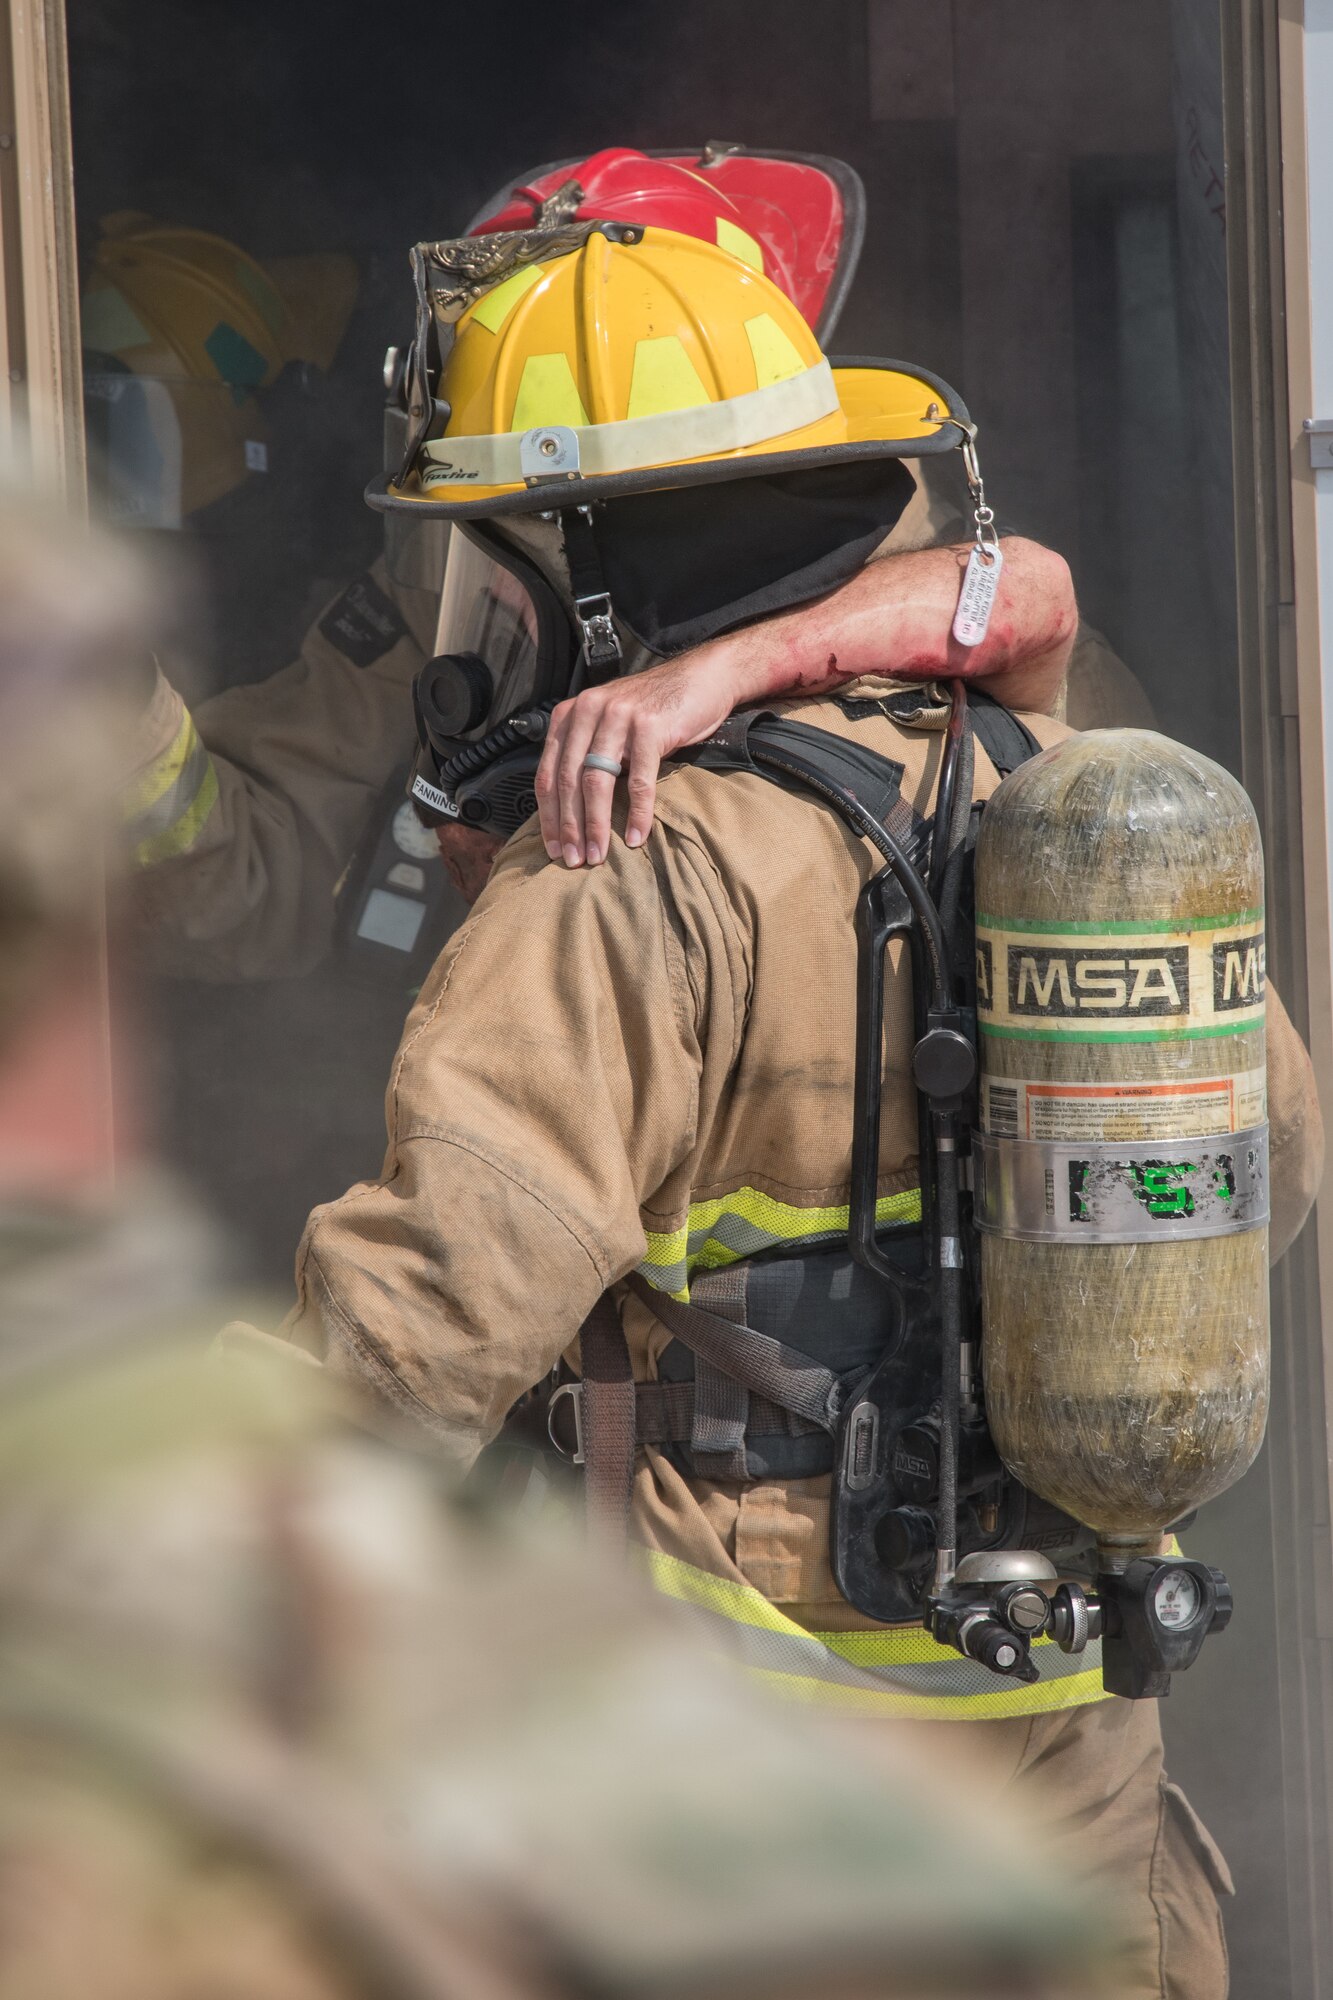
[168, 805]
[896, 1671]
[706, 430]
[732, 1226]
[739, 243]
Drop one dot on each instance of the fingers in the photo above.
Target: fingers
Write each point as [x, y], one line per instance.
[577, 740]
[622, 722]
[558, 788]
[645, 760]
[599, 787]
[548, 771]
[566, 793]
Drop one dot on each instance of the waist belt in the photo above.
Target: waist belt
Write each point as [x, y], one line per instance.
[745, 1404]
[665, 1413]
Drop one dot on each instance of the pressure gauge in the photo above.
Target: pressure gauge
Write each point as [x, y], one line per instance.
[1177, 1599]
[411, 837]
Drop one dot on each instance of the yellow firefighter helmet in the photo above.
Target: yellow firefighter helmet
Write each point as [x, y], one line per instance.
[198, 327]
[646, 359]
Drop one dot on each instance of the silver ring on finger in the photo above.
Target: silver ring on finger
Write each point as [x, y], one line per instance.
[594, 761]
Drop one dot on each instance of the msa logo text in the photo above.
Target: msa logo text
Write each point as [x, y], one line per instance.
[1056, 982]
[1240, 974]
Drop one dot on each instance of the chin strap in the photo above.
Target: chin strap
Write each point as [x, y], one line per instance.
[593, 610]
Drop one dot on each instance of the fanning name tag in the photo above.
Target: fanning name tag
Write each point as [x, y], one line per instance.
[431, 795]
[976, 599]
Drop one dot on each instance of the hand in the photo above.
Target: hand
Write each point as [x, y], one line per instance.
[636, 723]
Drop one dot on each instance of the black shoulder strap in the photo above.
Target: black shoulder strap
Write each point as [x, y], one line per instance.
[875, 780]
[1005, 740]
[872, 778]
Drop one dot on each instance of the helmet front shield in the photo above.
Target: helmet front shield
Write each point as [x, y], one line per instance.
[797, 217]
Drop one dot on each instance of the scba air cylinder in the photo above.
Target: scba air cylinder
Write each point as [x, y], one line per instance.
[1122, 1162]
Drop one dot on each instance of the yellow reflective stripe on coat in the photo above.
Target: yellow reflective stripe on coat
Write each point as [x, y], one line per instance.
[732, 1226]
[893, 1671]
[168, 804]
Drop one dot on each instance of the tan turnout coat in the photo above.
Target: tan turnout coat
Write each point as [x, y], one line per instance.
[599, 1052]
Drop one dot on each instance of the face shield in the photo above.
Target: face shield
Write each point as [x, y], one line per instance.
[504, 657]
[136, 456]
[415, 546]
[165, 449]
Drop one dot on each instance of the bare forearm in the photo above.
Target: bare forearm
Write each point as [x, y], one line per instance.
[896, 616]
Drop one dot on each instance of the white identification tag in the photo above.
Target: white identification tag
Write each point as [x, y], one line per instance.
[976, 599]
[431, 795]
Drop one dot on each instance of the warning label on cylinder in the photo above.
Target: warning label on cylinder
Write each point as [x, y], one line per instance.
[1040, 982]
[1193, 1108]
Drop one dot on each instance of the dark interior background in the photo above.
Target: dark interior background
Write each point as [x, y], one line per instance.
[1045, 230]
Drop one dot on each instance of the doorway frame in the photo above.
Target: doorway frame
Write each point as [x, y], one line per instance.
[1287, 766]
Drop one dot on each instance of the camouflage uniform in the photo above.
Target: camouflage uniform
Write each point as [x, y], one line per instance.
[278, 1722]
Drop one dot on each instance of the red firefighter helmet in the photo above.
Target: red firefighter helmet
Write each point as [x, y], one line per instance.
[799, 218]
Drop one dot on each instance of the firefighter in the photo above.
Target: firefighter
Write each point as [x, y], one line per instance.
[620, 1079]
[210, 422]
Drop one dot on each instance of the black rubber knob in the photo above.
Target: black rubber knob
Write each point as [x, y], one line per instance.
[943, 1063]
[1225, 1603]
[456, 692]
[992, 1646]
[904, 1537]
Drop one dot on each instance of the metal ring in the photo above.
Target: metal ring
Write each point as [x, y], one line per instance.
[574, 1392]
[594, 761]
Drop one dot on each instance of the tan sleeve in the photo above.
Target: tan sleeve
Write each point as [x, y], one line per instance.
[243, 817]
[928, 519]
[548, 1083]
[1101, 692]
[1296, 1130]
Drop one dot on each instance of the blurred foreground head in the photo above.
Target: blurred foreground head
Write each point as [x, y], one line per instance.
[75, 620]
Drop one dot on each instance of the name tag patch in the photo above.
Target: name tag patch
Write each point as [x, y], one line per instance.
[363, 624]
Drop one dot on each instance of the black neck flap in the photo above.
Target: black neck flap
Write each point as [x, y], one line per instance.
[682, 567]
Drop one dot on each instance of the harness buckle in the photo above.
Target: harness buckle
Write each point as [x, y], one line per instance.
[601, 644]
[574, 1391]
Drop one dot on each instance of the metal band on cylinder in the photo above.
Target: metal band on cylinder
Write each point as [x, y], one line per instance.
[1099, 1191]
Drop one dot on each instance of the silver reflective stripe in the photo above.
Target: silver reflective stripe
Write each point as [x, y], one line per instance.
[1143, 1191]
[177, 799]
[893, 1670]
[808, 1658]
[740, 1224]
[746, 1239]
[739, 1239]
[705, 430]
[736, 1235]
